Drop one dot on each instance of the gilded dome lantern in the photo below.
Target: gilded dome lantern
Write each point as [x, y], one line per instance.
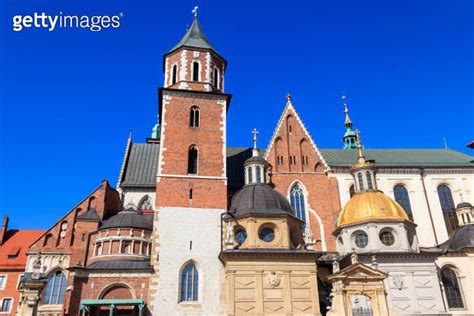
[370, 220]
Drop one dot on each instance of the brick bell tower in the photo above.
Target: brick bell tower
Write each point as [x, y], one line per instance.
[191, 190]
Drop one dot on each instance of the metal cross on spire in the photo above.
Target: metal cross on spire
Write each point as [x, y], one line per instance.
[288, 97]
[195, 11]
[254, 132]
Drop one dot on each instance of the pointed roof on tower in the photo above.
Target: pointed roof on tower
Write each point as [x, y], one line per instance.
[194, 38]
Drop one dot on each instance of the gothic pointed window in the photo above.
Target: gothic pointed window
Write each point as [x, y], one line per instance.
[195, 71]
[401, 196]
[216, 78]
[447, 206]
[194, 116]
[297, 201]
[55, 289]
[451, 288]
[193, 160]
[189, 283]
[369, 180]
[174, 75]
[361, 181]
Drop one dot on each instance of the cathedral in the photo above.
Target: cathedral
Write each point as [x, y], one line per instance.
[195, 227]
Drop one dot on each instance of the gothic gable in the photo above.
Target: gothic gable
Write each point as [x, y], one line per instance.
[63, 234]
[291, 148]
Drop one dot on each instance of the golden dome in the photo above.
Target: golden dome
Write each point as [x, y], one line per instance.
[370, 206]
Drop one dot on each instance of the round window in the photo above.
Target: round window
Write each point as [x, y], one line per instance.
[361, 240]
[266, 234]
[240, 236]
[387, 238]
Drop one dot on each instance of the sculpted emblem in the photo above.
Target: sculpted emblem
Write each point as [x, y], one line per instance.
[398, 281]
[273, 279]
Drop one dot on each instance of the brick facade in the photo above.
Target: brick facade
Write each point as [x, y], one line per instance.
[175, 187]
[294, 158]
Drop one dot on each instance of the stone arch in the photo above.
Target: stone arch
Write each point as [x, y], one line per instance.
[117, 291]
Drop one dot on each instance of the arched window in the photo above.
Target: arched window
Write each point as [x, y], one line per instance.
[369, 180]
[258, 171]
[54, 291]
[297, 202]
[195, 71]
[351, 190]
[193, 160]
[361, 181]
[249, 175]
[216, 78]
[447, 205]
[194, 116]
[401, 196]
[145, 204]
[189, 283]
[174, 74]
[451, 288]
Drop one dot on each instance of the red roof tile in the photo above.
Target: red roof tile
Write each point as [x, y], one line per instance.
[14, 247]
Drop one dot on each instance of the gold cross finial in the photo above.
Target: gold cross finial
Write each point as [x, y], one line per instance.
[255, 132]
[288, 97]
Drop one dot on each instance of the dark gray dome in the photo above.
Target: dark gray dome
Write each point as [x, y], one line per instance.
[464, 204]
[461, 239]
[129, 218]
[259, 199]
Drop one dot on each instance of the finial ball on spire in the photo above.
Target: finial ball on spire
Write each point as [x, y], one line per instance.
[288, 96]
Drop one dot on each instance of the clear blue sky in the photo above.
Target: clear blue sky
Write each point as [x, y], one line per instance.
[69, 97]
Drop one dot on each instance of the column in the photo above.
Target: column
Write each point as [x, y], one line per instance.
[141, 309]
[111, 309]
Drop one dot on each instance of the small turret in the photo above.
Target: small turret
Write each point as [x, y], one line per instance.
[255, 167]
[363, 171]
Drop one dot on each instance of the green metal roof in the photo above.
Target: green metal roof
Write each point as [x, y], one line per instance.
[420, 158]
[113, 302]
[142, 161]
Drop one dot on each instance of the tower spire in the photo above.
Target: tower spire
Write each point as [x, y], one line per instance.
[349, 138]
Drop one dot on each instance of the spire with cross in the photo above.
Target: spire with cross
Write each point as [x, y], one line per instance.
[254, 150]
[195, 11]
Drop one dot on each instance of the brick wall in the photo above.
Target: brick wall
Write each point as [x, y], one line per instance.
[174, 184]
[293, 157]
[10, 289]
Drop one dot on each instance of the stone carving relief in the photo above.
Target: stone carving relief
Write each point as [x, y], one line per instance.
[273, 279]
